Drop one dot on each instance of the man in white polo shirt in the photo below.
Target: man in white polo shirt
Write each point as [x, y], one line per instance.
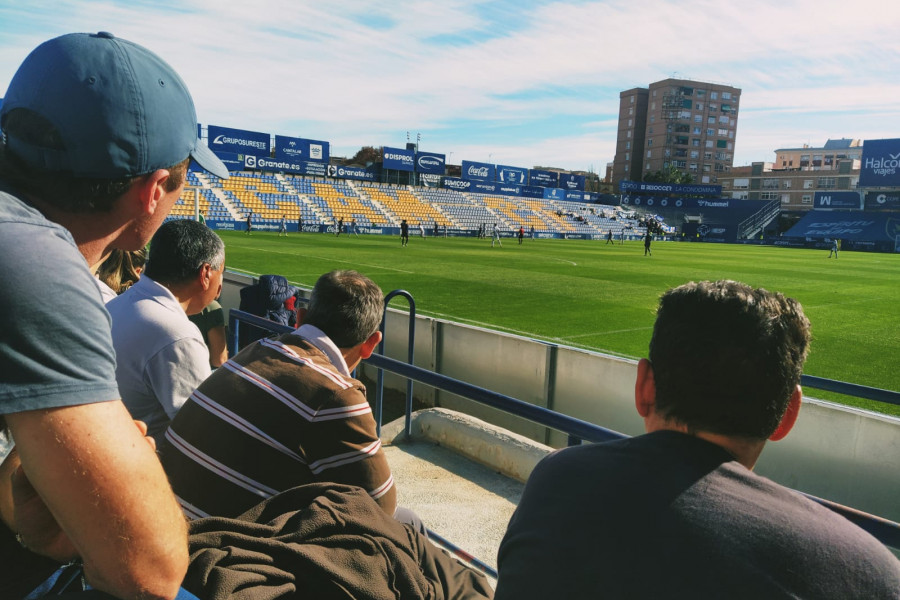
[160, 355]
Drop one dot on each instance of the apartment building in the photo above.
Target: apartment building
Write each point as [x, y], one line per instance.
[797, 174]
[690, 125]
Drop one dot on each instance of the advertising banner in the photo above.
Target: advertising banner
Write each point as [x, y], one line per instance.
[455, 183]
[883, 201]
[571, 182]
[880, 164]
[340, 172]
[430, 162]
[682, 202]
[476, 171]
[514, 175]
[429, 180]
[297, 149]
[302, 167]
[670, 188]
[484, 187]
[399, 159]
[851, 225]
[544, 178]
[509, 190]
[554, 194]
[231, 160]
[841, 200]
[532, 191]
[578, 196]
[238, 140]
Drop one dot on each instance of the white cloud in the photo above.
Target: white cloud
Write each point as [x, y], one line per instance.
[363, 73]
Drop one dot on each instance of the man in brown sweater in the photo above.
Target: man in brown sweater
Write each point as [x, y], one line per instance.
[285, 411]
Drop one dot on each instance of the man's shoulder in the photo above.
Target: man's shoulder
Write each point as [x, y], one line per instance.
[283, 356]
[160, 317]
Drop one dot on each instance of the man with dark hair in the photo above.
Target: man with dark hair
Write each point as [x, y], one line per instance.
[97, 134]
[160, 355]
[285, 411]
[648, 238]
[404, 232]
[678, 512]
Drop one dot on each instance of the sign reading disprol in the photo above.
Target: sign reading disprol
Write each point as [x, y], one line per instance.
[239, 141]
[476, 171]
[399, 159]
[291, 148]
[880, 163]
[430, 162]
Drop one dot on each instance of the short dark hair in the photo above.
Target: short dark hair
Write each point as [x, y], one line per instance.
[60, 188]
[726, 357]
[180, 248]
[347, 307]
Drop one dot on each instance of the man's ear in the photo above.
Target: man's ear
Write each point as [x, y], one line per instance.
[203, 275]
[368, 346]
[151, 189]
[790, 416]
[644, 388]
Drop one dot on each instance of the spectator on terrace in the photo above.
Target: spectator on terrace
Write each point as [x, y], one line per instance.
[161, 357]
[678, 512]
[211, 323]
[285, 411]
[92, 158]
[271, 297]
[120, 271]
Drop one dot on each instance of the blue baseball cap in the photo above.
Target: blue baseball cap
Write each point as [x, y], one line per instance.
[120, 110]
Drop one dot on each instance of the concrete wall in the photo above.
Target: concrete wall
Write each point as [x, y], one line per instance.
[846, 455]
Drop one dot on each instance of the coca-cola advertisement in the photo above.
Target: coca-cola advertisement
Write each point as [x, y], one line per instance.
[477, 171]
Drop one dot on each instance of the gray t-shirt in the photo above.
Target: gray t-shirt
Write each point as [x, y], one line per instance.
[55, 343]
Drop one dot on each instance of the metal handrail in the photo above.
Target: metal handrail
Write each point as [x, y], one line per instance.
[850, 389]
[379, 392]
[886, 531]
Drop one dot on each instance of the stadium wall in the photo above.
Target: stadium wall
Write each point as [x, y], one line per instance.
[847, 455]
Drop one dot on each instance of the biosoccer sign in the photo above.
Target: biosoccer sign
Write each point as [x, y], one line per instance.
[880, 165]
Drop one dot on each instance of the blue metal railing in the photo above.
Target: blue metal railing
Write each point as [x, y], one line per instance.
[850, 389]
[411, 344]
[888, 532]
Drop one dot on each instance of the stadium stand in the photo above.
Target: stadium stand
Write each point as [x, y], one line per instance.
[321, 201]
[401, 204]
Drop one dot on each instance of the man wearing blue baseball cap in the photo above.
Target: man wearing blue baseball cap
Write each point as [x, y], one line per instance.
[97, 136]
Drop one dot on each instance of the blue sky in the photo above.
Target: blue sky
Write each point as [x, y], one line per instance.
[519, 83]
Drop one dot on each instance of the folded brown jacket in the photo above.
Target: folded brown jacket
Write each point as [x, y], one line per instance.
[323, 541]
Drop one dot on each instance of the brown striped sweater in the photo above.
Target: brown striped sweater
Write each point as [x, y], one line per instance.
[279, 414]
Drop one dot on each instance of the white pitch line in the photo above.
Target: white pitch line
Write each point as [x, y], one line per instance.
[581, 335]
[562, 260]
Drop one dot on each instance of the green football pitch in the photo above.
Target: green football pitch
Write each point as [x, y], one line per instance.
[599, 296]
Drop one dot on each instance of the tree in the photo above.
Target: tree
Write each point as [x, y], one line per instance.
[367, 156]
[669, 174]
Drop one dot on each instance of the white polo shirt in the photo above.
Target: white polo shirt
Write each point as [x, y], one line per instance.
[160, 355]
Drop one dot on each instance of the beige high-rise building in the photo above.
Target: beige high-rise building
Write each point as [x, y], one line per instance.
[690, 125]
